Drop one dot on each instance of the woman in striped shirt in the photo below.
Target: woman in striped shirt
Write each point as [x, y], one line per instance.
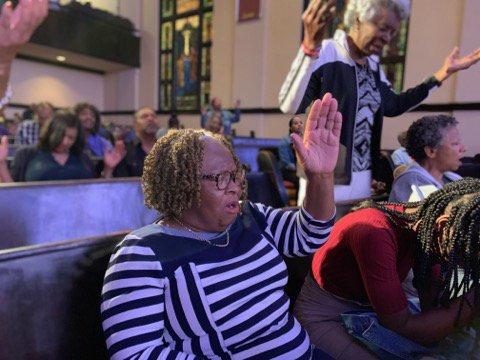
[207, 280]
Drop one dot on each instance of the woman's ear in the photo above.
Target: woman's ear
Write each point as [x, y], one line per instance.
[442, 232]
[441, 221]
[430, 152]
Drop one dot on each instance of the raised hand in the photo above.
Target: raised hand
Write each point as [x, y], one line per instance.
[3, 148]
[318, 150]
[453, 63]
[4, 173]
[113, 156]
[316, 19]
[17, 25]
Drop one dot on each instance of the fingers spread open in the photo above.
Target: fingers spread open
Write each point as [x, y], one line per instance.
[454, 53]
[316, 8]
[475, 55]
[324, 10]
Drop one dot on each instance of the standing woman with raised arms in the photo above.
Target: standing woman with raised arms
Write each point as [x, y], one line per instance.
[348, 67]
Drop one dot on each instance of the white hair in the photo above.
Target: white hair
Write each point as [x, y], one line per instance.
[366, 10]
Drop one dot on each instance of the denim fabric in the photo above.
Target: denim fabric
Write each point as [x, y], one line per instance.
[386, 344]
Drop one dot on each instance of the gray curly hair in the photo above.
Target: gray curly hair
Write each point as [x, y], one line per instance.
[367, 10]
[427, 131]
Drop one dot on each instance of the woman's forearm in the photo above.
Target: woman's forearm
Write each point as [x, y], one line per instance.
[319, 201]
[433, 325]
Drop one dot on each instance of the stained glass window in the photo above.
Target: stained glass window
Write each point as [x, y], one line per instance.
[184, 6]
[185, 42]
[167, 8]
[393, 57]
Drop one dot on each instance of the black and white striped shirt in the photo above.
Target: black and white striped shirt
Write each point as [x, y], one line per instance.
[170, 297]
[29, 132]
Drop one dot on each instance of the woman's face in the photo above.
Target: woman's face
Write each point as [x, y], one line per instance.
[215, 125]
[68, 140]
[372, 36]
[87, 119]
[447, 155]
[218, 208]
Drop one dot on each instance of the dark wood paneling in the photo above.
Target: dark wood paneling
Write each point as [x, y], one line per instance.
[81, 32]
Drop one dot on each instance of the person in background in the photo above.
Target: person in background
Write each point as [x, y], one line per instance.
[129, 134]
[227, 118]
[400, 155]
[214, 124]
[117, 132]
[348, 67]
[146, 126]
[172, 124]
[28, 114]
[95, 144]
[288, 162]
[59, 154]
[17, 117]
[3, 127]
[354, 291]
[29, 130]
[206, 281]
[435, 144]
[9, 128]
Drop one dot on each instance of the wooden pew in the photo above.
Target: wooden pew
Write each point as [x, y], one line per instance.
[50, 299]
[47, 211]
[41, 212]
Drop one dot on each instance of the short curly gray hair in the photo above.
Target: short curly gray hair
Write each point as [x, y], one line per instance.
[367, 10]
[427, 131]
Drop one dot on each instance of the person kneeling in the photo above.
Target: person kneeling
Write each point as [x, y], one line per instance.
[367, 257]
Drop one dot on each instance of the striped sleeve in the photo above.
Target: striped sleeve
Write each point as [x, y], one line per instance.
[133, 306]
[295, 85]
[295, 232]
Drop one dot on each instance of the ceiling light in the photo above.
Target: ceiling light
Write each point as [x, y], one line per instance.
[61, 58]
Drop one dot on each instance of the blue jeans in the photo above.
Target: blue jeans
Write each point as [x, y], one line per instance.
[386, 344]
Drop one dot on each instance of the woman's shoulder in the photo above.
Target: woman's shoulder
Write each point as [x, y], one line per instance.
[151, 240]
[414, 175]
[365, 220]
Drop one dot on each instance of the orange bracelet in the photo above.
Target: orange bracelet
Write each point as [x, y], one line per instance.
[313, 53]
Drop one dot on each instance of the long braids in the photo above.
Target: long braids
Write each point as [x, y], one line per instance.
[458, 249]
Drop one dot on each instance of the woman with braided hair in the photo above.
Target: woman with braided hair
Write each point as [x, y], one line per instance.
[367, 257]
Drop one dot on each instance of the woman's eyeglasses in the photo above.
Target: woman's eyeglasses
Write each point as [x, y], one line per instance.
[223, 179]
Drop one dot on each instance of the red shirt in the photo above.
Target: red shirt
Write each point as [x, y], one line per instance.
[366, 259]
